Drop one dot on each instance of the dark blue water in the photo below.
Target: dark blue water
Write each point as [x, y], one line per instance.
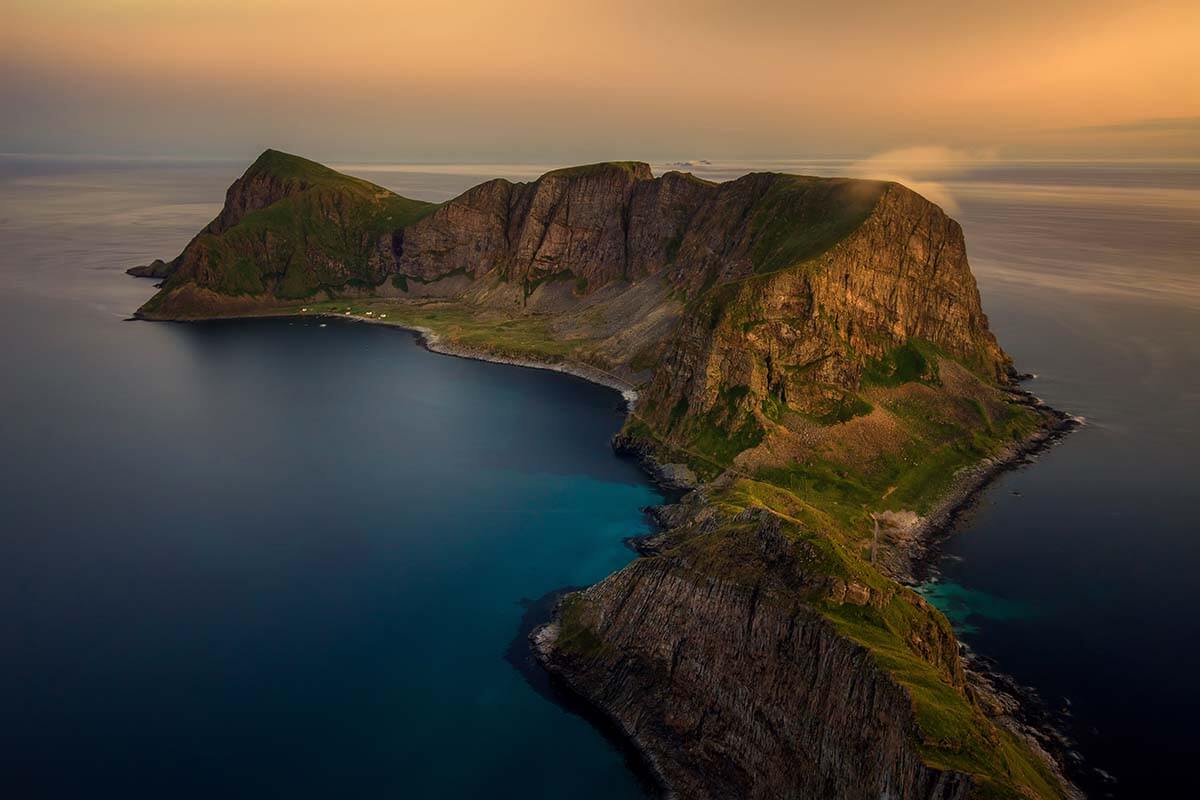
[1078, 574]
[265, 558]
[269, 559]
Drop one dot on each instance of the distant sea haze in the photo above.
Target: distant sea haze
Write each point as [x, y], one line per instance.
[271, 557]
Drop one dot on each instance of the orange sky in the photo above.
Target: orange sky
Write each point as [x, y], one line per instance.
[563, 81]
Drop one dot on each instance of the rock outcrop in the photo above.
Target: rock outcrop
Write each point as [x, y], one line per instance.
[740, 689]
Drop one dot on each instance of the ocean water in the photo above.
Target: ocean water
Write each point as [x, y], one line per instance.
[275, 558]
[272, 557]
[1090, 274]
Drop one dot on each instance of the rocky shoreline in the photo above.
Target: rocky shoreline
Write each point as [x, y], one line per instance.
[434, 343]
[541, 642]
[913, 542]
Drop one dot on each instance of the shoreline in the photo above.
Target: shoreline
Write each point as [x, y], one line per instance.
[557, 690]
[432, 341]
[919, 546]
[525, 657]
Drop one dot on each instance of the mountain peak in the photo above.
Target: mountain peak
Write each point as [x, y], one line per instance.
[286, 165]
[640, 170]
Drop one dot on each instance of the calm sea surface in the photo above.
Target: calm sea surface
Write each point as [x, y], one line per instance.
[276, 558]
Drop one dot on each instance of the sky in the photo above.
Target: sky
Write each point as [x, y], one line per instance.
[526, 80]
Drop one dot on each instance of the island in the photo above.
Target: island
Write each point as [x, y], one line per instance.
[809, 369]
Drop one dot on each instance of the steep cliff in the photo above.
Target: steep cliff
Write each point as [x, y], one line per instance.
[812, 351]
[751, 656]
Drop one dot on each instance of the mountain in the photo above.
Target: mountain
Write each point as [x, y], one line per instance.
[811, 358]
[289, 227]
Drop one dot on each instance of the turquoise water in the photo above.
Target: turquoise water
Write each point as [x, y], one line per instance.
[273, 558]
[968, 608]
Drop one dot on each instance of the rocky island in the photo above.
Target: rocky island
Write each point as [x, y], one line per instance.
[814, 373]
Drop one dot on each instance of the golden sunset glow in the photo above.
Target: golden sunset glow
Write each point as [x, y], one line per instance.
[531, 79]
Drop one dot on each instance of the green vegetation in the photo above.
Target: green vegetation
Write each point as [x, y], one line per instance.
[800, 218]
[845, 408]
[825, 505]
[724, 430]
[914, 360]
[954, 734]
[464, 326]
[321, 233]
[288, 166]
[825, 501]
[937, 445]
[575, 636]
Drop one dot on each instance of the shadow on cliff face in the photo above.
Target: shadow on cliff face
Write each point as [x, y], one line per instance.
[520, 655]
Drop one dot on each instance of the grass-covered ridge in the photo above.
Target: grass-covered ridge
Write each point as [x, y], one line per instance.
[801, 217]
[466, 327]
[288, 166]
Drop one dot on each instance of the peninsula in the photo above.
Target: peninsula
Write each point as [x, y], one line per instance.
[814, 373]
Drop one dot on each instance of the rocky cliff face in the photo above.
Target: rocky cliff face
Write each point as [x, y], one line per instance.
[902, 275]
[813, 349]
[739, 688]
[616, 222]
[568, 221]
[748, 659]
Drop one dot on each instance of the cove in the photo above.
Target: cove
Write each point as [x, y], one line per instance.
[286, 558]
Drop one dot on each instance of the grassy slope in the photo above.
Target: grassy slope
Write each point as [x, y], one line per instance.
[800, 218]
[527, 337]
[954, 734]
[301, 244]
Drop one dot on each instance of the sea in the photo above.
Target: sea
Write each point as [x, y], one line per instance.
[299, 558]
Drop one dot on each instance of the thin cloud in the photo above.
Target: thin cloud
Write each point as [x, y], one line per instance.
[1157, 125]
[923, 169]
